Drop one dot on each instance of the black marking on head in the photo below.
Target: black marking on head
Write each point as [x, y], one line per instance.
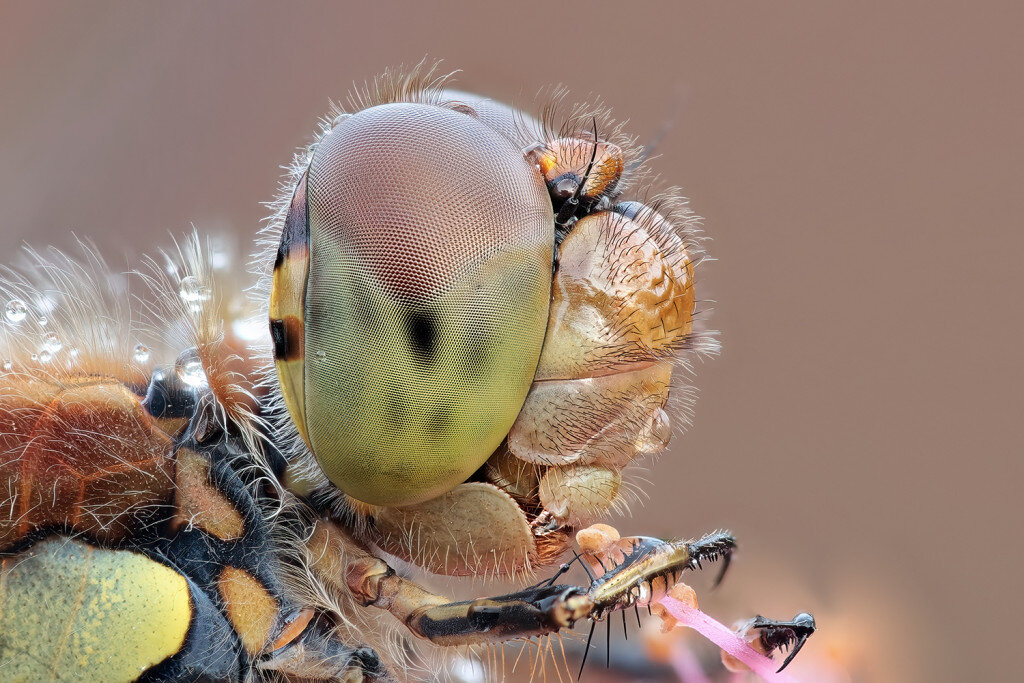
[295, 233]
[280, 337]
[287, 338]
[423, 333]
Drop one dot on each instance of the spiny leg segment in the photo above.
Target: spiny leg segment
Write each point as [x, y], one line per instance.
[784, 634]
[636, 578]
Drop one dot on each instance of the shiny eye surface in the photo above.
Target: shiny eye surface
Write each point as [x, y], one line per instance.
[426, 295]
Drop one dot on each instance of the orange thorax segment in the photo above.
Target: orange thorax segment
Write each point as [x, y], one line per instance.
[82, 455]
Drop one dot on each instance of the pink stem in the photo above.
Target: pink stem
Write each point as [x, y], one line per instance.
[726, 639]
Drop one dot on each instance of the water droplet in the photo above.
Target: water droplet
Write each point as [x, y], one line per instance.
[320, 354]
[43, 320]
[34, 357]
[192, 374]
[45, 356]
[190, 369]
[74, 353]
[52, 343]
[193, 290]
[7, 365]
[16, 310]
[141, 353]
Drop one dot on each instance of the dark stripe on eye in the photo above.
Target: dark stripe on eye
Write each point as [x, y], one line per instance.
[441, 419]
[295, 235]
[287, 337]
[423, 334]
[476, 350]
[396, 411]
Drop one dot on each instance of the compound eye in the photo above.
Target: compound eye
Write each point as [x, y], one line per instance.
[429, 275]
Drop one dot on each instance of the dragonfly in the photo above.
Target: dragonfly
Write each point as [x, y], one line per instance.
[463, 324]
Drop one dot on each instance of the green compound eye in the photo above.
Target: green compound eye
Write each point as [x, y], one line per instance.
[421, 301]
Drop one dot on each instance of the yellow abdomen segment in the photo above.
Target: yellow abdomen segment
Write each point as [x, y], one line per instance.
[69, 611]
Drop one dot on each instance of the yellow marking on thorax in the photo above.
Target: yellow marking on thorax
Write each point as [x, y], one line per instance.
[199, 503]
[252, 610]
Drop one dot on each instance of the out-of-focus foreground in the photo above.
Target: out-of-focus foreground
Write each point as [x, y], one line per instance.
[859, 168]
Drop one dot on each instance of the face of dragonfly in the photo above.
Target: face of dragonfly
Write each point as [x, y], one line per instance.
[415, 312]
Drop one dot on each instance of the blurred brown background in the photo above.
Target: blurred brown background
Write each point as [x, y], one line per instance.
[859, 165]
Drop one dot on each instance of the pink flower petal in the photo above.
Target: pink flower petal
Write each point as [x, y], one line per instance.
[687, 665]
[725, 638]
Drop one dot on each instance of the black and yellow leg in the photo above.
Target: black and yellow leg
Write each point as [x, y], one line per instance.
[791, 635]
[532, 612]
[642, 569]
[537, 611]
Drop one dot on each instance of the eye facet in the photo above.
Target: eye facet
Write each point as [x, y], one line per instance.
[425, 301]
